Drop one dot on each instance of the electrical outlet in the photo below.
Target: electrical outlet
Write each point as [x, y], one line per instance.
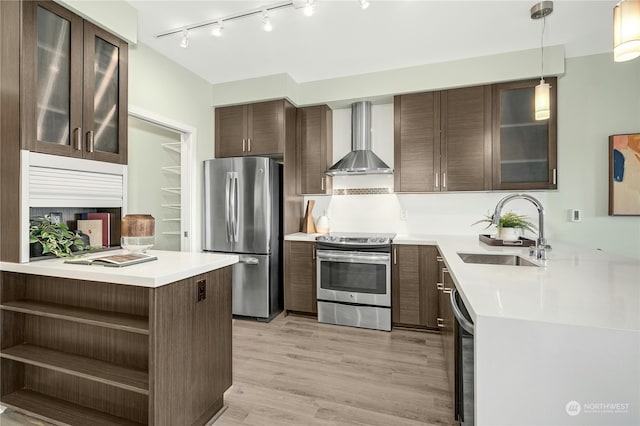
[575, 215]
[404, 214]
[202, 290]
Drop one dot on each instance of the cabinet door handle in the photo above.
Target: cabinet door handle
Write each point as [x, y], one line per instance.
[444, 180]
[243, 144]
[77, 139]
[437, 177]
[440, 286]
[89, 141]
[440, 322]
[313, 254]
[322, 183]
[447, 291]
[395, 256]
[249, 145]
[439, 258]
[554, 176]
[444, 271]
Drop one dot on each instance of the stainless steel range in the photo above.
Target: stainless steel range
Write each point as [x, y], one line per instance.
[354, 279]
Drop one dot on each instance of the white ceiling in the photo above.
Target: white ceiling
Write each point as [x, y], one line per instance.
[341, 39]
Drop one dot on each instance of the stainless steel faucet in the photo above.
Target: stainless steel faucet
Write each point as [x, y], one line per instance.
[539, 251]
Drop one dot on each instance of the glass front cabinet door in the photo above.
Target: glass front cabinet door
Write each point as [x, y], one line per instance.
[524, 150]
[74, 86]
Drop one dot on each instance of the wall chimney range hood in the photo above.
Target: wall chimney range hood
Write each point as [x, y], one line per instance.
[361, 160]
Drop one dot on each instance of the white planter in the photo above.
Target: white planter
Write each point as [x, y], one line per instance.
[508, 234]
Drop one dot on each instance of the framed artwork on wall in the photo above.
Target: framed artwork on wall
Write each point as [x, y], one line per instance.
[624, 175]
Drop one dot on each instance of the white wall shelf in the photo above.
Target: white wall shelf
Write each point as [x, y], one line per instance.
[172, 169]
[172, 190]
[173, 146]
[171, 206]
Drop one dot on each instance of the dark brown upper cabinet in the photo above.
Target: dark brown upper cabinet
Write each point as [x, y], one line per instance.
[73, 86]
[524, 150]
[315, 149]
[252, 129]
[442, 140]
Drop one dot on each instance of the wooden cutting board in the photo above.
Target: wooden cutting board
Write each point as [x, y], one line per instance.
[308, 225]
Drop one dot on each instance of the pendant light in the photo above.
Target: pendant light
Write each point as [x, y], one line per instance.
[626, 30]
[542, 98]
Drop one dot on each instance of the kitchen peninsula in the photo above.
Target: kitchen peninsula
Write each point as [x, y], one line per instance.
[147, 344]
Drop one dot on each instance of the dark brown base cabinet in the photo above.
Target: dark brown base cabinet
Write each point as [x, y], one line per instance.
[93, 353]
[414, 293]
[447, 324]
[300, 277]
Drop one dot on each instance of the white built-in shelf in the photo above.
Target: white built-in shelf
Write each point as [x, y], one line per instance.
[173, 146]
[171, 233]
[172, 190]
[172, 169]
[525, 161]
[171, 206]
[171, 219]
[525, 124]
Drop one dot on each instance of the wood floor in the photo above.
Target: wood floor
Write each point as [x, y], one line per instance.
[295, 371]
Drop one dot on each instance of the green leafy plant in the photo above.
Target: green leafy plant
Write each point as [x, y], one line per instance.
[55, 238]
[509, 220]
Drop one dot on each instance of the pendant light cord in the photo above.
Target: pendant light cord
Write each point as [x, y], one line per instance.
[544, 21]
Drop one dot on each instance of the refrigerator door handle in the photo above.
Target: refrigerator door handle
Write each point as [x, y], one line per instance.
[227, 204]
[250, 261]
[234, 215]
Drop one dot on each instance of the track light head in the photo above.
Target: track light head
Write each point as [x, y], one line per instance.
[217, 30]
[184, 43]
[266, 22]
[309, 8]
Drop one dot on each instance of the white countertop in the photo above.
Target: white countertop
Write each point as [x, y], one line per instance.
[576, 286]
[301, 236]
[171, 266]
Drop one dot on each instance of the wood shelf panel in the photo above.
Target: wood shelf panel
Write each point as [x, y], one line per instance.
[125, 322]
[87, 368]
[59, 411]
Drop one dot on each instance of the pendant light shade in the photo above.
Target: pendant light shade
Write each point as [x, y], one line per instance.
[626, 30]
[542, 101]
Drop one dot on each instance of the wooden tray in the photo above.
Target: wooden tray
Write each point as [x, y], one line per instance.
[522, 241]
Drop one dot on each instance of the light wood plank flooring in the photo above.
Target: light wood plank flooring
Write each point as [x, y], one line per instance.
[295, 371]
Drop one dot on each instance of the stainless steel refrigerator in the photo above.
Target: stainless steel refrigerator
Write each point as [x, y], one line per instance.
[242, 215]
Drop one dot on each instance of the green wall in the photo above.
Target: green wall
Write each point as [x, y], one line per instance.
[596, 98]
[162, 87]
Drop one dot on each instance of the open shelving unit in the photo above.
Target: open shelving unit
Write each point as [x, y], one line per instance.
[172, 224]
[65, 340]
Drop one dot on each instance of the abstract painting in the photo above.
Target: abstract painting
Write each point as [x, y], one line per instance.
[624, 175]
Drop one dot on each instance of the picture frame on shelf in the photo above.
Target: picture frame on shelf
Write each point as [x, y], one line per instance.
[624, 175]
[55, 217]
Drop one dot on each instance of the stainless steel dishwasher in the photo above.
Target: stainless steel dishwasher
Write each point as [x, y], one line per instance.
[464, 361]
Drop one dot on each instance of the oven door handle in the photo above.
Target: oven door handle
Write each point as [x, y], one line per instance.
[341, 256]
[464, 323]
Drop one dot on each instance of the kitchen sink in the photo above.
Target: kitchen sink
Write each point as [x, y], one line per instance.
[495, 259]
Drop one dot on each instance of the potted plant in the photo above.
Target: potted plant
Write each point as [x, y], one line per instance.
[511, 225]
[52, 238]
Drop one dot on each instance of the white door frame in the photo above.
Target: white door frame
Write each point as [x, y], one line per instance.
[187, 171]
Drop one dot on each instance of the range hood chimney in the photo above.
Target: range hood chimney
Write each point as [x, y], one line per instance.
[361, 160]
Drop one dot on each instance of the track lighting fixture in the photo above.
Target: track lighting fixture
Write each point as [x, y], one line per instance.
[185, 39]
[542, 101]
[309, 8]
[216, 26]
[266, 22]
[217, 29]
